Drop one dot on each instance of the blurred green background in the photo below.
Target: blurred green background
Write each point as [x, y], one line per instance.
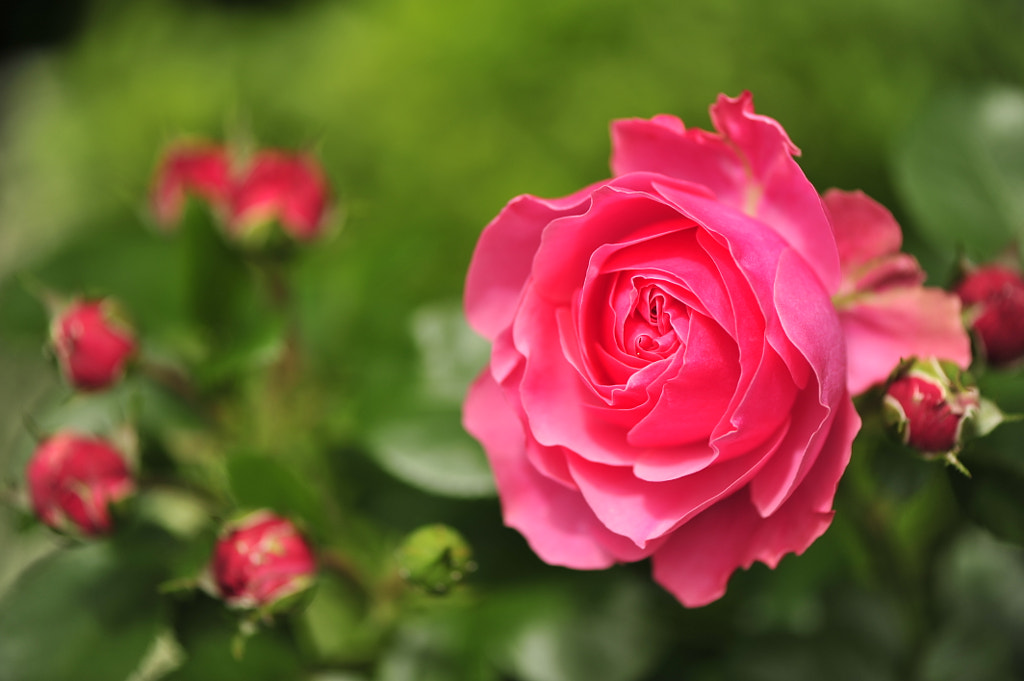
[428, 117]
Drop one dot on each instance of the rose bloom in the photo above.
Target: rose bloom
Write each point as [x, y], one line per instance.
[259, 560]
[668, 376]
[72, 481]
[92, 343]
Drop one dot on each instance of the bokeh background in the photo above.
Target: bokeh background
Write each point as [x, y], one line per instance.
[428, 117]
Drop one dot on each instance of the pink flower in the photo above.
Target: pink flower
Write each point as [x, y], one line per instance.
[668, 372]
[260, 560]
[72, 481]
[994, 298]
[885, 311]
[92, 343]
[189, 169]
[289, 188]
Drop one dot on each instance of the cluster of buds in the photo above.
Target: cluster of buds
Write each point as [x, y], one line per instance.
[993, 299]
[248, 195]
[73, 479]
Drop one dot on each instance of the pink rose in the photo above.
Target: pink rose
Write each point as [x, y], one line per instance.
[72, 481]
[886, 313]
[92, 342]
[260, 560]
[668, 372]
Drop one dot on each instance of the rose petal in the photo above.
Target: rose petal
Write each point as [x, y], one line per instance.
[504, 256]
[749, 167]
[696, 561]
[883, 328]
[864, 229]
[642, 510]
[555, 521]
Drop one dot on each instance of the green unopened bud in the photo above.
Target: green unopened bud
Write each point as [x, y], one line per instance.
[435, 558]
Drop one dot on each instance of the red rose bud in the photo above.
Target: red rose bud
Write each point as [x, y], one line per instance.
[260, 560]
[73, 480]
[289, 188]
[929, 407]
[993, 298]
[196, 169]
[92, 343]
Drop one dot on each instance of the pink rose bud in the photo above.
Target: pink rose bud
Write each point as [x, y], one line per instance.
[260, 560]
[197, 169]
[92, 343]
[289, 188]
[73, 479]
[993, 297]
[929, 407]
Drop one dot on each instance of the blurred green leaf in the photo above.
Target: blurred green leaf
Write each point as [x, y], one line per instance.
[450, 354]
[259, 481]
[206, 631]
[432, 452]
[605, 628]
[85, 613]
[960, 168]
[980, 599]
[335, 624]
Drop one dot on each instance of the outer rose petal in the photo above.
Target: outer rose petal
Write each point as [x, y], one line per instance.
[864, 228]
[697, 560]
[886, 313]
[883, 328]
[504, 255]
[555, 521]
[749, 166]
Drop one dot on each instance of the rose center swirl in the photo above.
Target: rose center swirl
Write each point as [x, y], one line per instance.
[655, 324]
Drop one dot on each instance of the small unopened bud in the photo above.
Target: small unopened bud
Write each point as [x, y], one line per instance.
[189, 169]
[435, 558]
[287, 188]
[930, 405]
[993, 298]
[92, 342]
[73, 479]
[260, 561]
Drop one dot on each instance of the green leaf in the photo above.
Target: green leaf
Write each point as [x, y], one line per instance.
[259, 481]
[433, 453]
[960, 169]
[605, 628]
[992, 496]
[86, 613]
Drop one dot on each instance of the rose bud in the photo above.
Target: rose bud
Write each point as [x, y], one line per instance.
[929, 407]
[993, 297]
[197, 169]
[288, 188]
[73, 480]
[435, 558]
[260, 560]
[92, 342]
